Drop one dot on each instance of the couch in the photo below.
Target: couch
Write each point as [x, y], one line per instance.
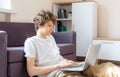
[12, 37]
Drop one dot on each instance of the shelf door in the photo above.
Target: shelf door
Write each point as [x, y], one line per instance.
[84, 19]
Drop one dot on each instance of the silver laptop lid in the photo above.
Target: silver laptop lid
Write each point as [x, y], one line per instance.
[91, 56]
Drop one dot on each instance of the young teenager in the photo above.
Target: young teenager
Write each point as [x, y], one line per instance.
[42, 54]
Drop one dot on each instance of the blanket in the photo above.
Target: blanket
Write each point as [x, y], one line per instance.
[68, 74]
[102, 70]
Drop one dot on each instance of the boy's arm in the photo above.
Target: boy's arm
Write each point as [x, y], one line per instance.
[37, 70]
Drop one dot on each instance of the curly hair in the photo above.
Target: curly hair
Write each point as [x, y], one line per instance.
[43, 17]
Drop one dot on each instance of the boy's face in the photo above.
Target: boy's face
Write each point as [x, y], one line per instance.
[47, 29]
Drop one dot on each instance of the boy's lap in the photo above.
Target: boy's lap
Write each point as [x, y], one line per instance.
[103, 70]
[68, 74]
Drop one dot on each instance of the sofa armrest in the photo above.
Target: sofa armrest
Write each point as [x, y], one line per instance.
[65, 37]
[3, 54]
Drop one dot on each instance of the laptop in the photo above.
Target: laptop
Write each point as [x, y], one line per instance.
[90, 59]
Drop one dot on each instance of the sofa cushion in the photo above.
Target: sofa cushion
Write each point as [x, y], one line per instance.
[15, 54]
[17, 70]
[3, 57]
[66, 48]
[17, 32]
[71, 56]
[64, 37]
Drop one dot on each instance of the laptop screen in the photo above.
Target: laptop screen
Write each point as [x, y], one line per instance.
[92, 54]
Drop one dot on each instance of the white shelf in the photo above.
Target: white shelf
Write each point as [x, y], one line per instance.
[109, 50]
[62, 12]
[6, 11]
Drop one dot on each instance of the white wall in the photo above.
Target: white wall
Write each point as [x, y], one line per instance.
[27, 9]
[108, 14]
[5, 4]
[108, 18]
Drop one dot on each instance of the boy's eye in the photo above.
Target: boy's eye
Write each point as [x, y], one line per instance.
[50, 25]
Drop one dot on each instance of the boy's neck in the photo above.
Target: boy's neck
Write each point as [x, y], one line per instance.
[40, 34]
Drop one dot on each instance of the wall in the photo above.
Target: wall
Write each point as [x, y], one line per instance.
[4, 17]
[27, 9]
[108, 14]
[108, 18]
[6, 4]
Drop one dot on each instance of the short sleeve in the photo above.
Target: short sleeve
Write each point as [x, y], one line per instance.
[54, 42]
[29, 48]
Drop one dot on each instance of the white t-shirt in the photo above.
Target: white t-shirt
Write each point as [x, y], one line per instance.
[45, 52]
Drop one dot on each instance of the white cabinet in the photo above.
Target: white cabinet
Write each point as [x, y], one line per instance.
[84, 19]
[110, 50]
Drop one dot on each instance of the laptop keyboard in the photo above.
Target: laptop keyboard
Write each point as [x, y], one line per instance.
[78, 64]
[76, 67]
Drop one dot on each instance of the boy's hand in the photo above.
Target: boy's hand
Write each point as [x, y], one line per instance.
[66, 63]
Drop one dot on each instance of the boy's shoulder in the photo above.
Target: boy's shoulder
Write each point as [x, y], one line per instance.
[30, 38]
